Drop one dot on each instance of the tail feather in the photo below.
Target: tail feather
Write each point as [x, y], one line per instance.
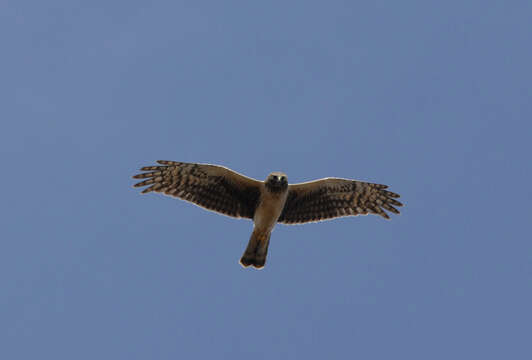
[257, 250]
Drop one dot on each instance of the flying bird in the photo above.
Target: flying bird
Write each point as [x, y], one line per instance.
[268, 202]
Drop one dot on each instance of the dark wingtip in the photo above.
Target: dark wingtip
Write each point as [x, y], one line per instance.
[165, 162]
[395, 202]
[391, 194]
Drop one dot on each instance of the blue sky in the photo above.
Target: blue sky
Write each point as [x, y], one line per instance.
[431, 98]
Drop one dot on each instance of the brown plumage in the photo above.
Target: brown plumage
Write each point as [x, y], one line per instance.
[212, 187]
[330, 198]
[225, 191]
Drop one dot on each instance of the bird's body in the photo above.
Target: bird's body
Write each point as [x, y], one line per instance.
[266, 202]
[271, 203]
[270, 206]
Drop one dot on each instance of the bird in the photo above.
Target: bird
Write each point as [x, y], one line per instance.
[266, 203]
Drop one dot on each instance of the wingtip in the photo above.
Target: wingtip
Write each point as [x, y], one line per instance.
[165, 162]
[395, 202]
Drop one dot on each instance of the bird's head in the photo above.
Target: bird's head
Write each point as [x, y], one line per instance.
[276, 182]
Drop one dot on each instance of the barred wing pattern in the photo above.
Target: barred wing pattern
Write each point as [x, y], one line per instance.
[212, 187]
[333, 197]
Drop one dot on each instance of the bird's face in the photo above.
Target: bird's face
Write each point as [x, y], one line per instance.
[276, 182]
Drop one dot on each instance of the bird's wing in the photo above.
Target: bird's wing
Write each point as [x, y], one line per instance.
[212, 187]
[333, 197]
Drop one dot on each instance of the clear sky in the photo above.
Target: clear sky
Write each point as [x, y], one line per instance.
[432, 98]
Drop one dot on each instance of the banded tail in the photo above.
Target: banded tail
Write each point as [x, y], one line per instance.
[257, 250]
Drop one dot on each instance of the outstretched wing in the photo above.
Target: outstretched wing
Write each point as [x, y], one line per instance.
[332, 197]
[212, 187]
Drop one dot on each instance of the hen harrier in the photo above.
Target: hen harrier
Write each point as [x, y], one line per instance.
[225, 191]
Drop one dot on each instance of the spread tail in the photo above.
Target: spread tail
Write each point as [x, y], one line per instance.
[255, 254]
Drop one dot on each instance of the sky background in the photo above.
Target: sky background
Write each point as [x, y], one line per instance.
[432, 98]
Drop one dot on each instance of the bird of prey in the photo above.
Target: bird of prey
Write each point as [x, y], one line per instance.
[268, 202]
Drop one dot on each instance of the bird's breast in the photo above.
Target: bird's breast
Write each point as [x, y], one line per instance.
[269, 210]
